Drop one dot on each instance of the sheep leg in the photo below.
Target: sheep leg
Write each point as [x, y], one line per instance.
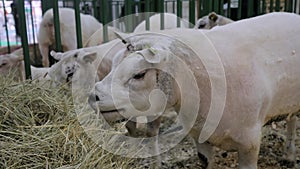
[290, 148]
[248, 153]
[131, 127]
[205, 153]
[45, 54]
[153, 131]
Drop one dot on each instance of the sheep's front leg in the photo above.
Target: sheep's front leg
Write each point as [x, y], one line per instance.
[131, 127]
[290, 148]
[45, 55]
[153, 131]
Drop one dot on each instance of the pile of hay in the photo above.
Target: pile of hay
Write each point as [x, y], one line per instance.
[39, 129]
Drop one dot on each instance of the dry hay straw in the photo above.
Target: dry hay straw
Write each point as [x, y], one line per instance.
[39, 129]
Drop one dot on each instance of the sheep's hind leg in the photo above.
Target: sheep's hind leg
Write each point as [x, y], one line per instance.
[248, 152]
[290, 148]
[205, 154]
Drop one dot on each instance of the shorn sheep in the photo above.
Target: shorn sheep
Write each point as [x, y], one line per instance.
[12, 64]
[170, 22]
[212, 20]
[68, 60]
[256, 77]
[46, 37]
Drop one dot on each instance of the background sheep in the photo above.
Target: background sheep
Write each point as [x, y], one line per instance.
[46, 37]
[68, 61]
[97, 37]
[212, 20]
[170, 23]
[12, 64]
[34, 53]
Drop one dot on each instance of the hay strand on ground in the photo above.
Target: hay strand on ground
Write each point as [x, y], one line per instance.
[39, 129]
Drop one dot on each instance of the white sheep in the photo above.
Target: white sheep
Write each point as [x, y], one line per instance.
[46, 37]
[212, 20]
[246, 73]
[12, 64]
[98, 39]
[68, 60]
[170, 22]
[60, 73]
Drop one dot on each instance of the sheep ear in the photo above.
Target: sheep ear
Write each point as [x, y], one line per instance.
[213, 16]
[89, 57]
[17, 57]
[56, 55]
[122, 36]
[150, 55]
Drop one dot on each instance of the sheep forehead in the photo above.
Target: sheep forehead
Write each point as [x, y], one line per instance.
[130, 65]
[3, 59]
[148, 40]
[7, 58]
[132, 59]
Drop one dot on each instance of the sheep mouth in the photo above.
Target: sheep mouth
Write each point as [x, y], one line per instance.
[111, 111]
[112, 115]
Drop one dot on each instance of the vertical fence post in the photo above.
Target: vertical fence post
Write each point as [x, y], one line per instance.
[258, 9]
[179, 12]
[229, 8]
[290, 6]
[250, 9]
[271, 5]
[298, 7]
[199, 9]
[24, 39]
[264, 6]
[56, 26]
[221, 7]
[78, 23]
[33, 30]
[128, 14]
[147, 14]
[277, 6]
[216, 6]
[239, 16]
[162, 15]
[5, 25]
[205, 5]
[209, 7]
[46, 5]
[95, 10]
[191, 13]
[295, 6]
[103, 10]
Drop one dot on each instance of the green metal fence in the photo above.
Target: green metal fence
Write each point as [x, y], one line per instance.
[107, 11]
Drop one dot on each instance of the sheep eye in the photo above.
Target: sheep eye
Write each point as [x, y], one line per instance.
[201, 26]
[139, 75]
[3, 64]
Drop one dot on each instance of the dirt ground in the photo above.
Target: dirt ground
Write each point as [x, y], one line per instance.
[184, 155]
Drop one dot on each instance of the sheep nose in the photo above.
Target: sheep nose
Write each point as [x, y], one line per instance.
[97, 98]
[93, 98]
